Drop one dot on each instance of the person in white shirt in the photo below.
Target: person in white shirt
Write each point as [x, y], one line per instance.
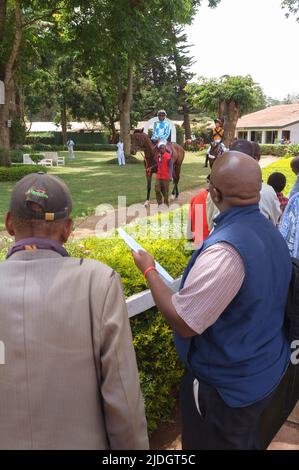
[70, 146]
[120, 153]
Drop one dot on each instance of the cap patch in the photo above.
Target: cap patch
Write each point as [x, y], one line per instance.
[38, 193]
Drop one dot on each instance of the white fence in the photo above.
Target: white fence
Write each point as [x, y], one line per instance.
[143, 301]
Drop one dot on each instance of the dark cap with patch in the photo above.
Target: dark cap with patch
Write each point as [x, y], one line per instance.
[42, 197]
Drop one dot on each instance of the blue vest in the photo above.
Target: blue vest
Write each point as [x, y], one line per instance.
[245, 353]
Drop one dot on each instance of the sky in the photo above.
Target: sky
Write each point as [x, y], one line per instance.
[242, 37]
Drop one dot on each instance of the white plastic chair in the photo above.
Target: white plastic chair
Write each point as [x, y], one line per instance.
[27, 160]
[60, 161]
[52, 156]
[46, 162]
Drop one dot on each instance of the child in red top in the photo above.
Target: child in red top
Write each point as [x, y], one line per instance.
[164, 174]
[278, 182]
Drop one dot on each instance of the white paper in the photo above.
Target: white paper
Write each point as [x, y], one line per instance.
[136, 247]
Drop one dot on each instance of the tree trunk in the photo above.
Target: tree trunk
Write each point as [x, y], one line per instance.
[63, 121]
[125, 110]
[230, 111]
[8, 72]
[4, 130]
[113, 131]
[187, 125]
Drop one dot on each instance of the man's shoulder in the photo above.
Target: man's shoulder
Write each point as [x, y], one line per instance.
[90, 265]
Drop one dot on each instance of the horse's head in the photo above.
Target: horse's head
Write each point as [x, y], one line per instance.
[136, 141]
[141, 142]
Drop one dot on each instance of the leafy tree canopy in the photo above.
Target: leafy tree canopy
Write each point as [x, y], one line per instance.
[208, 94]
[292, 7]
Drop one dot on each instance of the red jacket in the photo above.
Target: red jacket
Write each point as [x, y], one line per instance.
[199, 225]
[164, 166]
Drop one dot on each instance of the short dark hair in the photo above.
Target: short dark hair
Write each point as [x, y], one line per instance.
[295, 165]
[246, 146]
[278, 181]
[243, 146]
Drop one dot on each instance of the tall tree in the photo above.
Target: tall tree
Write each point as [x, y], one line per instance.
[182, 62]
[122, 36]
[229, 97]
[17, 18]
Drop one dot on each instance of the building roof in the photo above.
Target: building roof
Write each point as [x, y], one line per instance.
[273, 117]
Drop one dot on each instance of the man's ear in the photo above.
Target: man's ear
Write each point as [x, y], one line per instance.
[9, 224]
[216, 195]
[67, 230]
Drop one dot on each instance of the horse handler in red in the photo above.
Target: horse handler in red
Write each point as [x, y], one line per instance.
[164, 173]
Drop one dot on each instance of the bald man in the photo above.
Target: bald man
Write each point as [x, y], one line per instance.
[269, 203]
[228, 315]
[295, 169]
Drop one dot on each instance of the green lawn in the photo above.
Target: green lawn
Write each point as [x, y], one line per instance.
[93, 181]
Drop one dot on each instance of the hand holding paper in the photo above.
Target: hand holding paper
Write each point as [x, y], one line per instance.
[143, 260]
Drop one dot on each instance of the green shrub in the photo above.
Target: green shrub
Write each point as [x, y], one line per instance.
[41, 147]
[275, 150]
[36, 157]
[47, 138]
[180, 135]
[26, 148]
[95, 147]
[55, 138]
[293, 150]
[15, 173]
[16, 156]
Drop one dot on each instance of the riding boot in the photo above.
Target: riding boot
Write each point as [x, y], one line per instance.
[206, 162]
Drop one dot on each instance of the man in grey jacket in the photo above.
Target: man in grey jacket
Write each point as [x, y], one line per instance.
[70, 378]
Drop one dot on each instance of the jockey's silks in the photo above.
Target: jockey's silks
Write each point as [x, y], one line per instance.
[162, 130]
[217, 134]
[244, 354]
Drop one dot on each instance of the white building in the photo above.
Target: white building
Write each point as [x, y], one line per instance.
[270, 125]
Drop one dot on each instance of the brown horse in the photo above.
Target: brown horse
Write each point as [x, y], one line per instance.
[215, 152]
[141, 142]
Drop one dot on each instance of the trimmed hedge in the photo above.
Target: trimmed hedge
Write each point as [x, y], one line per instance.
[16, 155]
[275, 150]
[95, 147]
[159, 367]
[15, 173]
[55, 138]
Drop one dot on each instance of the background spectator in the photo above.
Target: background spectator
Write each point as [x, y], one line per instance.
[278, 182]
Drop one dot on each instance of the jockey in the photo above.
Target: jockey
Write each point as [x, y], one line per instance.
[163, 128]
[216, 137]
